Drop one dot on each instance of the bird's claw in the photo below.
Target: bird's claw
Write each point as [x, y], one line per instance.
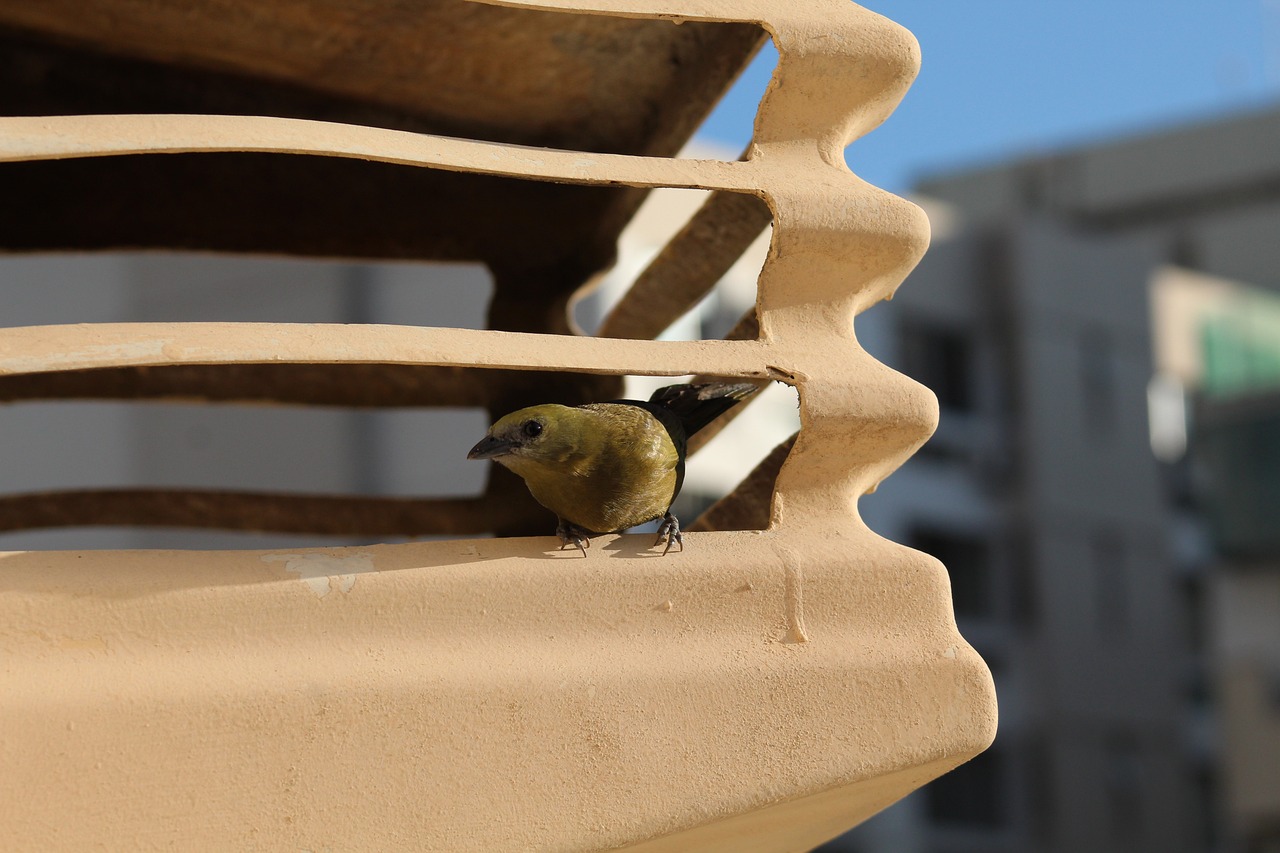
[572, 534]
[669, 530]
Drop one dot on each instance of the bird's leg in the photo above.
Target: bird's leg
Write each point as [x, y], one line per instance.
[572, 534]
[669, 530]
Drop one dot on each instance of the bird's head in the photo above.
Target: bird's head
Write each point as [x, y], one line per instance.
[533, 436]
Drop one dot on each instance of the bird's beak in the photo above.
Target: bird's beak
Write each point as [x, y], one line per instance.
[490, 447]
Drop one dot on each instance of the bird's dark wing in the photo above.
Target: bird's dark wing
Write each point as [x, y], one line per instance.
[698, 405]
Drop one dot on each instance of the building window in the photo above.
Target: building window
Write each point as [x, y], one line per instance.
[968, 561]
[1111, 581]
[973, 795]
[1123, 784]
[1194, 612]
[1041, 792]
[1022, 580]
[941, 358]
[1098, 380]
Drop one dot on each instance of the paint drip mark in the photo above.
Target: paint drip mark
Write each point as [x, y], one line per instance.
[793, 600]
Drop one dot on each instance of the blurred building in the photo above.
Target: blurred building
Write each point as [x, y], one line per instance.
[1105, 490]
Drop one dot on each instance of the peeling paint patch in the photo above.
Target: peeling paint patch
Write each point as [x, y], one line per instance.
[324, 573]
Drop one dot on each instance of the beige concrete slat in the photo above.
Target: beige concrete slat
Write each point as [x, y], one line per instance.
[688, 266]
[39, 349]
[24, 138]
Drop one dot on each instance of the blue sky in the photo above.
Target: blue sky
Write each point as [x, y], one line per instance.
[1010, 78]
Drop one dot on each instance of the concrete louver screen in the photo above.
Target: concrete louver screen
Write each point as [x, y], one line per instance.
[763, 690]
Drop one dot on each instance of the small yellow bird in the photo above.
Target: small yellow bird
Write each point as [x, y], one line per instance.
[605, 467]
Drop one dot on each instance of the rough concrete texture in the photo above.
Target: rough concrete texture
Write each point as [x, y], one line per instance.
[761, 691]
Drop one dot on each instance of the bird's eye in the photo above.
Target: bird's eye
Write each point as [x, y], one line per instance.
[532, 429]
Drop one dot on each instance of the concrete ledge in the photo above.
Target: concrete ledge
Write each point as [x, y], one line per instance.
[491, 694]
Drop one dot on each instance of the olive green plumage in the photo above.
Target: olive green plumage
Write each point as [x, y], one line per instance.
[605, 467]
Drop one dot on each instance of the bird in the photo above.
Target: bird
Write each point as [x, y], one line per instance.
[606, 467]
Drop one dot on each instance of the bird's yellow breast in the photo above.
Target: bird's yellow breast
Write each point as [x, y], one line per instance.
[611, 466]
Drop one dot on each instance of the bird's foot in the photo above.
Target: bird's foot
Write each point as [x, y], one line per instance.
[572, 534]
[669, 530]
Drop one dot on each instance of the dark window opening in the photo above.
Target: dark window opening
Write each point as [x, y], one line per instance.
[968, 561]
[1098, 380]
[1111, 583]
[973, 795]
[1022, 579]
[1040, 787]
[1123, 781]
[940, 358]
